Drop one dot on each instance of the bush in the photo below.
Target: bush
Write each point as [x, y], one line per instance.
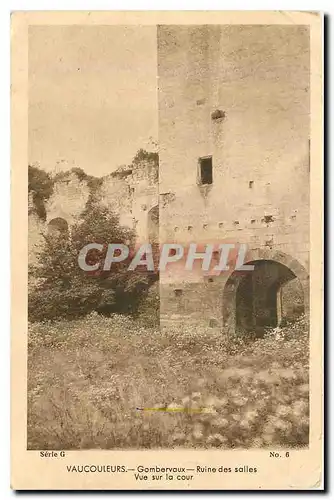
[86, 379]
[40, 184]
[66, 291]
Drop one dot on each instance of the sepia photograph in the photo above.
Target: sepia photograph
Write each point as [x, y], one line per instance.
[211, 148]
[168, 241]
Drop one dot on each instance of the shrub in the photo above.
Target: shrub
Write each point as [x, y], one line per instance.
[86, 379]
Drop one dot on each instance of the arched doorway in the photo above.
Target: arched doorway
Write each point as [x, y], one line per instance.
[58, 226]
[275, 292]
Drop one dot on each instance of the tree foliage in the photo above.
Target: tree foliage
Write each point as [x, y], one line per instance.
[61, 289]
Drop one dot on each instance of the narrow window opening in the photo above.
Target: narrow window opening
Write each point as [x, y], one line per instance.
[178, 292]
[205, 165]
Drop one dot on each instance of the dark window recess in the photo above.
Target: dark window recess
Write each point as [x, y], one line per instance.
[205, 170]
[178, 292]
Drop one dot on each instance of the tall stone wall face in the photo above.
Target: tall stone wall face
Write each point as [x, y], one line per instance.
[257, 77]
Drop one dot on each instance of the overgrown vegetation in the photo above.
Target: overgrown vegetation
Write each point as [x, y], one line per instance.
[61, 289]
[88, 377]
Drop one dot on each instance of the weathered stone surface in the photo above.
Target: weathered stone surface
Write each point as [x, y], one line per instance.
[259, 77]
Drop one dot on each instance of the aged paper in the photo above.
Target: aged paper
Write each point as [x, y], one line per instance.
[167, 251]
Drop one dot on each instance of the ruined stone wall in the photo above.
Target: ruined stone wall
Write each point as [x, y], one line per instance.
[144, 188]
[258, 78]
[35, 230]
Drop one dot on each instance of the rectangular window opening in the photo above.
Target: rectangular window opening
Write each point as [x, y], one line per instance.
[205, 170]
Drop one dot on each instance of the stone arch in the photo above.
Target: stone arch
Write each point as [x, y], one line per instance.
[58, 225]
[239, 293]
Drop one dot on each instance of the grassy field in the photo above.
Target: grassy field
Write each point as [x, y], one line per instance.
[87, 377]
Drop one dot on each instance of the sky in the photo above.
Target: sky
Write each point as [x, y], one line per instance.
[92, 95]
